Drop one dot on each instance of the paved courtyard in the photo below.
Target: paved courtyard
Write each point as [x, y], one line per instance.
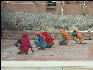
[69, 52]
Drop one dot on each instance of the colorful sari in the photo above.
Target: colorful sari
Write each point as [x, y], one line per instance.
[41, 41]
[79, 36]
[64, 38]
[76, 36]
[48, 39]
[64, 33]
[24, 47]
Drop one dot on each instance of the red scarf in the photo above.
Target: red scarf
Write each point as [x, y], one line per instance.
[48, 37]
[25, 43]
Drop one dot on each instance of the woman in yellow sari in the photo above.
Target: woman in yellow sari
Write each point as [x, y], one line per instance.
[64, 38]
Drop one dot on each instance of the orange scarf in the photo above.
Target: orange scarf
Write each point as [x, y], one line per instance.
[64, 33]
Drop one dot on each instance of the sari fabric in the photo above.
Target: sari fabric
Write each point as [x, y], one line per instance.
[64, 33]
[25, 43]
[48, 37]
[38, 33]
[41, 41]
[79, 36]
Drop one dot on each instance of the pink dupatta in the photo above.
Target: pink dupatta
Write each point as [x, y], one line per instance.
[25, 43]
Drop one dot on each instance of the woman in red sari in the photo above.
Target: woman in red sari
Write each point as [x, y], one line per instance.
[24, 44]
[49, 39]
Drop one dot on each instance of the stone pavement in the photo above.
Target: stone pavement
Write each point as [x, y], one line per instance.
[69, 52]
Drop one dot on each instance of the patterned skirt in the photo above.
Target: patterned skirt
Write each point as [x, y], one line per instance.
[49, 45]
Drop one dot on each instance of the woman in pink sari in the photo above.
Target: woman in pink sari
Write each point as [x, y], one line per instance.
[25, 44]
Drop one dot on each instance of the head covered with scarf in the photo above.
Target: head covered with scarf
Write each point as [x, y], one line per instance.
[38, 33]
[47, 37]
[64, 33]
[79, 36]
[25, 42]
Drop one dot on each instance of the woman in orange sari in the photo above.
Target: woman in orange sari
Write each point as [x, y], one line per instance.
[64, 38]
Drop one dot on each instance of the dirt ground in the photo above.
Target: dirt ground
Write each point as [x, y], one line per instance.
[70, 52]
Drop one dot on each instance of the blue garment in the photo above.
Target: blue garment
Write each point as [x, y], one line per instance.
[40, 39]
[39, 42]
[74, 34]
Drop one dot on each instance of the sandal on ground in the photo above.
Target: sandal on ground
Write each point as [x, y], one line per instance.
[19, 52]
[26, 52]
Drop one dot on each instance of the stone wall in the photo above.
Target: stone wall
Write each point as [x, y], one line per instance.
[14, 35]
[68, 9]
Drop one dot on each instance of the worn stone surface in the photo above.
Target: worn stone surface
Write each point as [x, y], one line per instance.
[14, 35]
[72, 51]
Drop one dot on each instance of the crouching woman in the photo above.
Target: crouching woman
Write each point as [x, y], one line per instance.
[41, 41]
[23, 44]
[76, 36]
[49, 39]
[63, 38]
